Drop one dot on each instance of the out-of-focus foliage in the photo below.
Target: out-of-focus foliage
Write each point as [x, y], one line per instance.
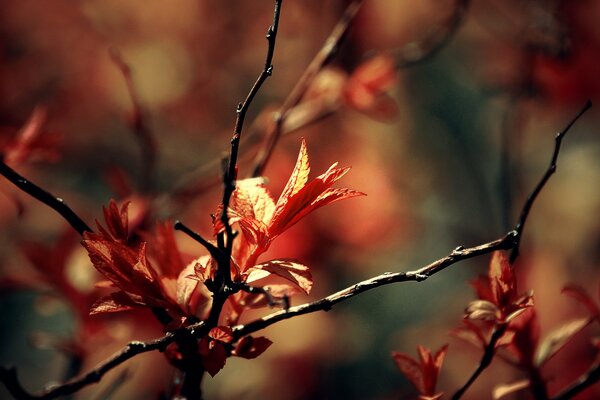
[446, 150]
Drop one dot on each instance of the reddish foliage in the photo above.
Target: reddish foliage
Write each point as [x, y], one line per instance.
[423, 374]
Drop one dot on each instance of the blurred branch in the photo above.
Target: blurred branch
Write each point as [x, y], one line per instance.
[586, 380]
[8, 376]
[416, 53]
[323, 57]
[138, 123]
[549, 172]
[56, 203]
[486, 359]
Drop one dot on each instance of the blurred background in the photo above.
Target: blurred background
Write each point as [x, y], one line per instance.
[454, 131]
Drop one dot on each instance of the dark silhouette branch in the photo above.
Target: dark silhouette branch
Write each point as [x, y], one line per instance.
[549, 172]
[387, 278]
[225, 239]
[486, 359]
[56, 203]
[8, 376]
[586, 380]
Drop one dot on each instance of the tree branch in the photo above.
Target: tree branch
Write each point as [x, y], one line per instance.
[486, 359]
[56, 203]
[586, 380]
[549, 172]
[387, 278]
[322, 58]
[8, 376]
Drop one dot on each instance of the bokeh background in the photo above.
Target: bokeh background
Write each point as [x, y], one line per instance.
[479, 95]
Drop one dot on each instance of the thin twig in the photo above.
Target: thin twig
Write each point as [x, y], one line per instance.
[486, 359]
[56, 203]
[212, 249]
[225, 238]
[387, 278]
[324, 56]
[536, 191]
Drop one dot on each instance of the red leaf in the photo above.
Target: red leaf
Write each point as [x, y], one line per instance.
[117, 220]
[214, 355]
[365, 90]
[580, 294]
[290, 270]
[114, 302]
[410, 368]
[502, 280]
[165, 250]
[221, 333]
[249, 347]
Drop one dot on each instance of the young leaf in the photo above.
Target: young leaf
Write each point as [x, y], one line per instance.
[249, 347]
[290, 270]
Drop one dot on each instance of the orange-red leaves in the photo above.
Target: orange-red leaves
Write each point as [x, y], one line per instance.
[221, 333]
[366, 88]
[423, 374]
[117, 220]
[250, 347]
[214, 355]
[114, 302]
[497, 292]
[290, 270]
[261, 219]
[502, 280]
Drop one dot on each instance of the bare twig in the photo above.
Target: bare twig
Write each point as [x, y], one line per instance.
[323, 57]
[486, 359]
[536, 191]
[212, 249]
[56, 203]
[225, 238]
[387, 278]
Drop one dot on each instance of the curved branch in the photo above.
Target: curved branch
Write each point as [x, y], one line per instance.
[56, 203]
[387, 278]
[549, 172]
[8, 376]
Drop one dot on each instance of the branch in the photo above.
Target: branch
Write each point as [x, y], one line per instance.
[486, 359]
[322, 58]
[510, 241]
[8, 376]
[586, 380]
[387, 278]
[431, 46]
[230, 174]
[549, 172]
[56, 203]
